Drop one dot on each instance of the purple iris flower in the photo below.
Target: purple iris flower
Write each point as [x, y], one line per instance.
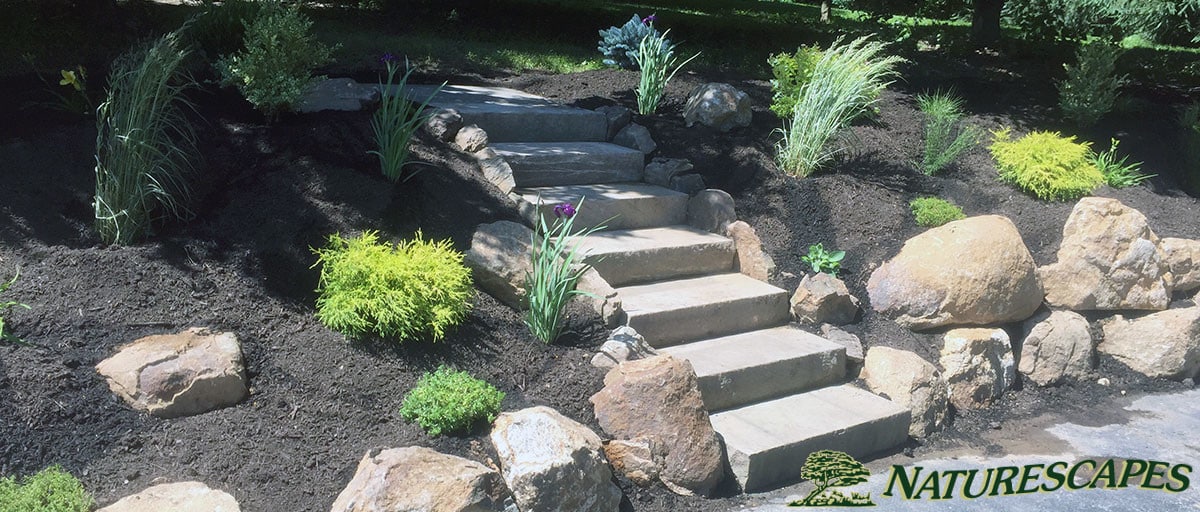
[564, 210]
[388, 58]
[649, 19]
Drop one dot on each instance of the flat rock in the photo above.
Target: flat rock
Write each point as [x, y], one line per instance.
[711, 210]
[975, 271]
[499, 260]
[823, 298]
[751, 259]
[182, 374]
[907, 379]
[624, 344]
[471, 138]
[496, 170]
[1058, 347]
[1182, 257]
[719, 106]
[417, 478]
[978, 366]
[617, 117]
[660, 171]
[635, 136]
[337, 94]
[1159, 345]
[176, 497]
[444, 124]
[1108, 260]
[853, 345]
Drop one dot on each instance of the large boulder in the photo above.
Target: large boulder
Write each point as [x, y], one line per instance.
[1108, 260]
[1159, 345]
[822, 298]
[496, 169]
[552, 463]
[601, 296]
[624, 344]
[719, 106]
[975, 271]
[1058, 347]
[907, 379]
[418, 478]
[176, 497]
[617, 116]
[658, 399]
[750, 258]
[978, 366]
[1182, 257]
[499, 260]
[182, 374]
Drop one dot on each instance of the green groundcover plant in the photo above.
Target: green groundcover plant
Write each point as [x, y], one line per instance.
[1046, 164]
[933, 211]
[791, 72]
[417, 289]
[451, 402]
[50, 490]
[557, 266]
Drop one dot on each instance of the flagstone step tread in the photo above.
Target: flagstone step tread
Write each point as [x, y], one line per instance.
[768, 442]
[671, 312]
[509, 115]
[537, 164]
[615, 205]
[750, 367]
[629, 256]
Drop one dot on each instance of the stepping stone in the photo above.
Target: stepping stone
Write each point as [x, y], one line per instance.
[537, 164]
[670, 312]
[768, 442]
[615, 205]
[753, 366]
[509, 115]
[639, 255]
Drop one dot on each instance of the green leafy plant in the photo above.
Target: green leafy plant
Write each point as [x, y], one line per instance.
[414, 290]
[557, 267]
[1189, 142]
[450, 402]
[71, 93]
[144, 144]
[845, 83]
[49, 490]
[1118, 172]
[396, 121]
[945, 136]
[791, 72]
[1046, 164]
[275, 66]
[1092, 85]
[6, 305]
[932, 211]
[821, 260]
[620, 45]
[656, 57]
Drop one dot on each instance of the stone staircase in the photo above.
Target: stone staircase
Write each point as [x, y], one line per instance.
[775, 393]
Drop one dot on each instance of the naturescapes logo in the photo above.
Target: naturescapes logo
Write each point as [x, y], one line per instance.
[829, 469]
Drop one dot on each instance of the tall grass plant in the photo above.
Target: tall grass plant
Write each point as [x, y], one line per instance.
[557, 266]
[658, 63]
[945, 136]
[396, 121]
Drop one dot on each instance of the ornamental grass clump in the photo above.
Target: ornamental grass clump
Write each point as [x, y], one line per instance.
[1046, 164]
[397, 120]
[557, 267]
[945, 136]
[451, 402]
[845, 83]
[144, 144]
[1092, 85]
[932, 212]
[417, 289]
[49, 490]
[656, 57]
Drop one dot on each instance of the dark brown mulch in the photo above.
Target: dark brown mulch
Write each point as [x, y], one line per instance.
[267, 193]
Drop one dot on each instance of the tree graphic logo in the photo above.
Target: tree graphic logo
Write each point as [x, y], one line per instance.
[828, 469]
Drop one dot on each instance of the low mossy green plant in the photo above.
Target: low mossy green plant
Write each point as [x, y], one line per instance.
[1046, 164]
[416, 289]
[933, 211]
[50, 490]
[451, 402]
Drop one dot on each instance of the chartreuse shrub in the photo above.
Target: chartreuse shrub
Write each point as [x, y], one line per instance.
[416, 289]
[844, 84]
[6, 305]
[50, 490]
[276, 64]
[791, 72]
[1046, 164]
[656, 57]
[449, 402]
[932, 212]
[945, 136]
[620, 45]
[144, 145]
[1092, 85]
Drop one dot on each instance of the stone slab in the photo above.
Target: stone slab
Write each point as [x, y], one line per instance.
[509, 115]
[670, 312]
[640, 255]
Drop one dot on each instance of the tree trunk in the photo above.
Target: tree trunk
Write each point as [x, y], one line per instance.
[985, 21]
[825, 9]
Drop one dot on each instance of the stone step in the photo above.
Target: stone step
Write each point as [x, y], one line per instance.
[509, 115]
[754, 366]
[630, 256]
[670, 312]
[538, 164]
[616, 205]
[768, 442]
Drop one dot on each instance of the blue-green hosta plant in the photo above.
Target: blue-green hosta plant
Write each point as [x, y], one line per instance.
[5, 306]
[557, 267]
[821, 260]
[397, 120]
[619, 45]
[656, 56]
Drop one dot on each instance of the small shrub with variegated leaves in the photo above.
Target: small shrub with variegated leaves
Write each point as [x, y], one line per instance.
[1046, 164]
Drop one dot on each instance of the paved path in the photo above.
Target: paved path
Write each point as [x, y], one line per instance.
[1162, 427]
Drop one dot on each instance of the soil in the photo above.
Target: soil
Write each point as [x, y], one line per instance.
[266, 193]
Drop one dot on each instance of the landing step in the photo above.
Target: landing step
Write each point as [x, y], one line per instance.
[768, 442]
[537, 164]
[670, 312]
[754, 366]
[509, 115]
[616, 205]
[640, 255]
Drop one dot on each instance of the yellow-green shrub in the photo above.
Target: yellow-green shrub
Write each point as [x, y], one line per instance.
[1046, 164]
[50, 490]
[932, 211]
[416, 289]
